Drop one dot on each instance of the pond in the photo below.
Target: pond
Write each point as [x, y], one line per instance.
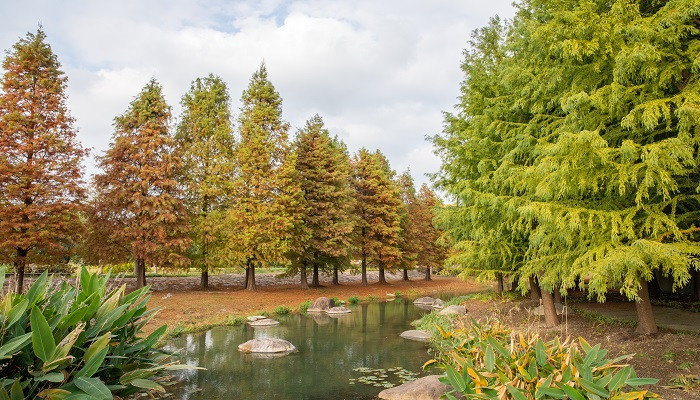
[330, 351]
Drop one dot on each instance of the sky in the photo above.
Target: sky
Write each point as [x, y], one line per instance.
[380, 72]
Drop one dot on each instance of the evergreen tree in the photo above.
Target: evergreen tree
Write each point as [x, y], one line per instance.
[323, 170]
[205, 141]
[431, 249]
[408, 240]
[377, 209]
[266, 206]
[40, 175]
[137, 193]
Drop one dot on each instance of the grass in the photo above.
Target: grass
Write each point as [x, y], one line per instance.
[282, 310]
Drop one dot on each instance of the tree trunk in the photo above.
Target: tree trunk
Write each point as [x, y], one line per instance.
[364, 270]
[100, 265]
[427, 274]
[513, 283]
[314, 281]
[302, 273]
[697, 285]
[204, 280]
[382, 278]
[251, 278]
[247, 274]
[646, 324]
[550, 311]
[19, 264]
[557, 296]
[499, 281]
[336, 281]
[140, 272]
[405, 274]
[535, 294]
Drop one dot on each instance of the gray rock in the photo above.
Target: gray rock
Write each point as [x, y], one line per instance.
[321, 304]
[267, 345]
[264, 322]
[426, 307]
[438, 303]
[453, 310]
[540, 309]
[338, 310]
[424, 301]
[254, 318]
[417, 335]
[426, 388]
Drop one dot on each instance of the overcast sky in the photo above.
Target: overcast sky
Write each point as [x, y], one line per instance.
[379, 72]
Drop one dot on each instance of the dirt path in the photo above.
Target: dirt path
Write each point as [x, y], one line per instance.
[666, 317]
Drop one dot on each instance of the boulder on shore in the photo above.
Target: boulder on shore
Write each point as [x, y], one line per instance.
[426, 388]
[338, 311]
[417, 335]
[438, 303]
[424, 301]
[267, 345]
[254, 318]
[321, 304]
[453, 310]
[264, 322]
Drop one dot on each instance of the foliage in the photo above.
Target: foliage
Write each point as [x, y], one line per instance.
[281, 310]
[380, 377]
[431, 244]
[409, 245]
[40, 159]
[487, 360]
[205, 141]
[61, 341]
[353, 300]
[305, 306]
[138, 198]
[685, 382]
[398, 294]
[266, 199]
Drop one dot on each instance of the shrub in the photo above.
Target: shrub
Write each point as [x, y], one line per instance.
[372, 298]
[397, 294]
[124, 268]
[490, 362]
[303, 307]
[80, 342]
[353, 300]
[281, 310]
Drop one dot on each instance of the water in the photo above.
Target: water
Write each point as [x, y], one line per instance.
[329, 350]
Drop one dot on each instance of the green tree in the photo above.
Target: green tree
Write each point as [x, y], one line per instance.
[408, 240]
[323, 170]
[137, 192]
[205, 141]
[266, 205]
[377, 209]
[40, 159]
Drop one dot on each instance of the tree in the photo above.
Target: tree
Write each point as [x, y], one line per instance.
[323, 170]
[408, 240]
[377, 209]
[265, 212]
[577, 148]
[137, 191]
[205, 141]
[431, 250]
[40, 159]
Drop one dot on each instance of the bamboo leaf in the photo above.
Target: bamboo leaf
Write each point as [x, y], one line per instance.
[42, 338]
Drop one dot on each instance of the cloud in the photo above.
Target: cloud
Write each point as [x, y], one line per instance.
[379, 72]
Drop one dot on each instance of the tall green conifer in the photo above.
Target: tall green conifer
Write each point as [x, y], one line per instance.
[205, 141]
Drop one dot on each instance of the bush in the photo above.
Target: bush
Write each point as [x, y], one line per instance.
[281, 310]
[81, 342]
[303, 307]
[490, 362]
[397, 294]
[353, 300]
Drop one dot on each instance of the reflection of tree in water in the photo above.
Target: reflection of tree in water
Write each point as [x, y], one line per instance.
[329, 350]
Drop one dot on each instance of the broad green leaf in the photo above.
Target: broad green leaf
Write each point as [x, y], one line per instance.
[54, 377]
[81, 396]
[93, 364]
[16, 392]
[147, 384]
[500, 349]
[94, 387]
[641, 381]
[15, 313]
[455, 379]
[594, 388]
[37, 289]
[42, 338]
[14, 345]
[540, 353]
[3, 394]
[97, 346]
[618, 380]
[516, 393]
[2, 277]
[574, 394]
[489, 358]
[54, 394]
[539, 392]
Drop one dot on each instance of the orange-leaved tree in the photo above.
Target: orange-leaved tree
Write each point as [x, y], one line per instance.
[137, 193]
[40, 159]
[408, 240]
[431, 247]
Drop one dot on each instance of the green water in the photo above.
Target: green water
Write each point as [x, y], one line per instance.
[329, 350]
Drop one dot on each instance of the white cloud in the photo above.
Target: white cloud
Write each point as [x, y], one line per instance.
[379, 72]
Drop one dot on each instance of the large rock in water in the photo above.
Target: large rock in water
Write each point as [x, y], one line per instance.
[264, 322]
[267, 345]
[338, 311]
[424, 301]
[321, 304]
[453, 310]
[426, 388]
[415, 334]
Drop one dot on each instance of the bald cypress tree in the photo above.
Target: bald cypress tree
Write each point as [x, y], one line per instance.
[205, 140]
[137, 188]
[40, 175]
[377, 209]
[431, 246]
[408, 239]
[266, 199]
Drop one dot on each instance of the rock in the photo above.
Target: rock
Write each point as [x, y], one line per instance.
[417, 335]
[254, 318]
[426, 388]
[438, 303]
[321, 304]
[264, 322]
[338, 310]
[427, 307]
[540, 309]
[453, 310]
[267, 345]
[424, 301]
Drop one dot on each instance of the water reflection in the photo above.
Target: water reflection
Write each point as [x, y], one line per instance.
[329, 350]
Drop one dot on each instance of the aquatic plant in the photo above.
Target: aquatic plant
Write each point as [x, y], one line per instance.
[380, 377]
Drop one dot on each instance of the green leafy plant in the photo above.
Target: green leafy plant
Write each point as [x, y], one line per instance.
[684, 382]
[281, 310]
[372, 298]
[398, 294]
[79, 342]
[353, 300]
[303, 307]
[488, 361]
